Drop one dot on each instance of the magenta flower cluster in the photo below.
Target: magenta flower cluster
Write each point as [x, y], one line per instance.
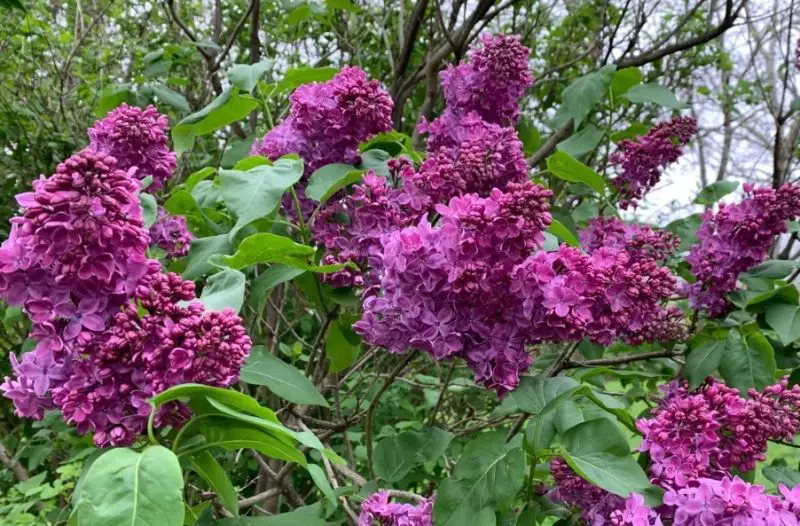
[137, 138]
[736, 239]
[468, 152]
[641, 162]
[485, 90]
[109, 327]
[707, 502]
[379, 509]
[695, 440]
[327, 122]
[708, 432]
[171, 234]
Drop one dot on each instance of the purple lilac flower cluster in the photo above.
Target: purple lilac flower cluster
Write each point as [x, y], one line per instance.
[327, 122]
[470, 287]
[707, 432]
[446, 289]
[487, 89]
[351, 226]
[109, 328]
[379, 509]
[137, 139]
[469, 152]
[170, 233]
[736, 239]
[641, 162]
[729, 500]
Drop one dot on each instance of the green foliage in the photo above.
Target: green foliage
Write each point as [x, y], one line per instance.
[126, 487]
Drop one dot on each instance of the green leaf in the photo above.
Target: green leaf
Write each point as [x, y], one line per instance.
[257, 192]
[297, 76]
[748, 362]
[199, 175]
[634, 131]
[488, 476]
[173, 98]
[230, 434]
[299, 14]
[342, 345]
[266, 247]
[205, 465]
[782, 475]
[237, 151]
[580, 97]
[559, 230]
[282, 379]
[248, 163]
[149, 209]
[395, 456]
[199, 252]
[773, 269]
[715, 191]
[376, 160]
[224, 289]
[686, 229]
[136, 489]
[329, 179]
[535, 393]
[625, 79]
[564, 166]
[227, 108]
[582, 142]
[529, 135]
[246, 76]
[198, 394]
[704, 360]
[795, 104]
[597, 451]
[785, 321]
[268, 280]
[654, 93]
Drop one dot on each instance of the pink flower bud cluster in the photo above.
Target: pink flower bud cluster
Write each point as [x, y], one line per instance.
[170, 233]
[641, 162]
[379, 509]
[138, 139]
[328, 121]
[736, 239]
[708, 432]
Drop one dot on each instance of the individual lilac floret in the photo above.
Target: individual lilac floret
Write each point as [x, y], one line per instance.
[641, 162]
[170, 233]
[138, 139]
[379, 509]
[736, 239]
